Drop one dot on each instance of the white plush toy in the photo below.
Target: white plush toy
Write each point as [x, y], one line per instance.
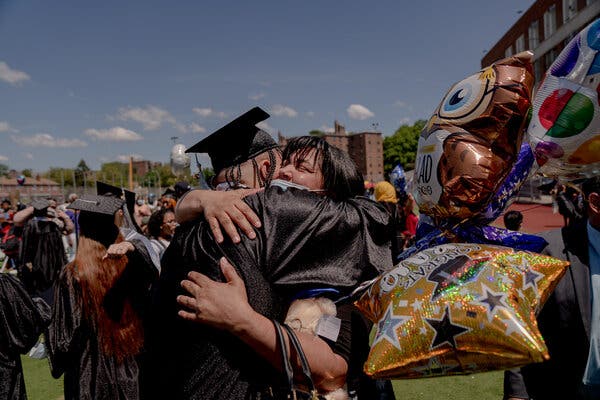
[303, 316]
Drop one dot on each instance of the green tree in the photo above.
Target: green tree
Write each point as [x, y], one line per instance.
[4, 169]
[401, 147]
[316, 132]
[27, 172]
[60, 175]
[115, 173]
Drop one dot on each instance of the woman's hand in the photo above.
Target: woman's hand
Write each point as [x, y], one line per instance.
[118, 250]
[222, 305]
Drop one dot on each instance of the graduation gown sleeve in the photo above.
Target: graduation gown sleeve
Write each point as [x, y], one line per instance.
[22, 320]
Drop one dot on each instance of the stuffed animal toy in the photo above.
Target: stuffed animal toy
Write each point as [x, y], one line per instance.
[303, 316]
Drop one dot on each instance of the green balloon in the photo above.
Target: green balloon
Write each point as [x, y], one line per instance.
[574, 118]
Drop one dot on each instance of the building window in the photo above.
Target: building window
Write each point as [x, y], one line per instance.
[537, 70]
[508, 52]
[534, 32]
[569, 9]
[549, 22]
[520, 44]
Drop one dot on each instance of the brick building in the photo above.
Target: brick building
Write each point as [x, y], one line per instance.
[142, 167]
[365, 149]
[545, 28]
[32, 188]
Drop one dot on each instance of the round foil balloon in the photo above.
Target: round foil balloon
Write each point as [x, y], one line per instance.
[472, 140]
[565, 125]
[459, 308]
[180, 161]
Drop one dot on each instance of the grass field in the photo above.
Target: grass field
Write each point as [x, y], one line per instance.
[41, 386]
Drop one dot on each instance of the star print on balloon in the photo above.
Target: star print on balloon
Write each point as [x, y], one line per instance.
[459, 308]
[565, 123]
[386, 328]
[445, 330]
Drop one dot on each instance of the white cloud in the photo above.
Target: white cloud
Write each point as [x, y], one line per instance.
[116, 134]
[265, 127]
[256, 96]
[404, 121]
[3, 158]
[47, 140]
[326, 129]
[310, 114]
[400, 103]
[28, 156]
[151, 117]
[357, 111]
[195, 128]
[125, 157]
[12, 76]
[209, 112]
[5, 127]
[280, 110]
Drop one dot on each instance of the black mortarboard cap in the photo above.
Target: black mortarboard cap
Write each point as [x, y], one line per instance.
[108, 205]
[40, 204]
[238, 141]
[103, 189]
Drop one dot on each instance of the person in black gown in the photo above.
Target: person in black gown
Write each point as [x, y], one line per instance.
[22, 320]
[96, 334]
[307, 241]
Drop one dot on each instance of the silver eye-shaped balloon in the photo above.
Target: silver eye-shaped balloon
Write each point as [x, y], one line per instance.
[180, 161]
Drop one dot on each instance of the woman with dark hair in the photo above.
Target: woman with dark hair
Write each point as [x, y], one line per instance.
[308, 241]
[161, 227]
[317, 164]
[96, 334]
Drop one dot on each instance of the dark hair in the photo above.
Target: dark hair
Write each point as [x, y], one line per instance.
[513, 220]
[591, 185]
[341, 177]
[156, 220]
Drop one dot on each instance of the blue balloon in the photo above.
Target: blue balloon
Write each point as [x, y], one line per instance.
[398, 179]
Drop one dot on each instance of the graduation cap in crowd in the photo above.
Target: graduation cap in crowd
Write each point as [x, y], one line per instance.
[104, 189]
[108, 205]
[237, 142]
[40, 204]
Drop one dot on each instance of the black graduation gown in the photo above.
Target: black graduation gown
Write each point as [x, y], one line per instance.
[72, 343]
[22, 320]
[306, 241]
[42, 257]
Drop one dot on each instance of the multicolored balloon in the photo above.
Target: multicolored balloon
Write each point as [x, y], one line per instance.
[565, 124]
[471, 142]
[459, 308]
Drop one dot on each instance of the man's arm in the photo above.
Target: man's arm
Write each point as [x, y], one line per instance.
[220, 209]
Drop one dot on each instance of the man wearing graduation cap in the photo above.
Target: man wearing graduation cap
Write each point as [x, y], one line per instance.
[294, 251]
[243, 157]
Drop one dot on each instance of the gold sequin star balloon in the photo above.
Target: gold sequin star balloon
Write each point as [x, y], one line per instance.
[459, 308]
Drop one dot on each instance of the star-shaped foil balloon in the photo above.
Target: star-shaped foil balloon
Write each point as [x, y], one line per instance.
[457, 309]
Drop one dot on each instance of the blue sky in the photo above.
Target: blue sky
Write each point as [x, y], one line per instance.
[107, 79]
